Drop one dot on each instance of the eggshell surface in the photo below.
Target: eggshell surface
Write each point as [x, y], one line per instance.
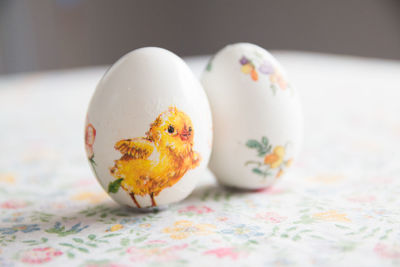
[148, 129]
[257, 117]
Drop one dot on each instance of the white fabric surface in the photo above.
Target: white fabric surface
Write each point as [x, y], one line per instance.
[339, 205]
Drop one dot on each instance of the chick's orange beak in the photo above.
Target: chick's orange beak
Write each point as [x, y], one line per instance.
[184, 135]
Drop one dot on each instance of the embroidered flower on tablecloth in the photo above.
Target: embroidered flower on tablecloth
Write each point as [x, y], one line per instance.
[388, 252]
[115, 227]
[25, 228]
[13, 204]
[102, 263]
[225, 252]
[271, 217]
[61, 230]
[243, 231]
[331, 215]
[39, 255]
[15, 217]
[192, 209]
[91, 197]
[184, 229]
[7, 178]
[155, 252]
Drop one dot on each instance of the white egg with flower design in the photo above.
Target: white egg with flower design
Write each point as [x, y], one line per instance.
[148, 129]
[257, 116]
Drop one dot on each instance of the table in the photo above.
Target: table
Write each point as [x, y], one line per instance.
[339, 205]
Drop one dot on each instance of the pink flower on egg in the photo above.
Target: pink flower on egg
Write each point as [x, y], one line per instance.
[90, 136]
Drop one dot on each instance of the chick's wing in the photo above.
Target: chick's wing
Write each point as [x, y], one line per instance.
[136, 148]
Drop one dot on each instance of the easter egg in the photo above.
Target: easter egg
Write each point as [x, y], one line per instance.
[257, 117]
[148, 129]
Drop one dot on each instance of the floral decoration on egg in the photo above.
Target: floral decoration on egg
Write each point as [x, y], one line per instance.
[90, 136]
[249, 66]
[160, 159]
[209, 64]
[272, 159]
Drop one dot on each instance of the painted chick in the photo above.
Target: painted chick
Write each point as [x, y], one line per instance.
[159, 160]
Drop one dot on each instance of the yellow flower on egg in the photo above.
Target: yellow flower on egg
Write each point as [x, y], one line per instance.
[247, 68]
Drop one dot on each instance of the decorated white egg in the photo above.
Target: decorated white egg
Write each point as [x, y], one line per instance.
[257, 117]
[148, 129]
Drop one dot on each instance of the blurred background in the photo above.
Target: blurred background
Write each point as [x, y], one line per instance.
[43, 35]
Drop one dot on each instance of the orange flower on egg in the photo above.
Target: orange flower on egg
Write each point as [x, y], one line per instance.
[275, 159]
[254, 75]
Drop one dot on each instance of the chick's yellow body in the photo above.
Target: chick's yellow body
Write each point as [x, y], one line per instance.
[159, 160]
[143, 176]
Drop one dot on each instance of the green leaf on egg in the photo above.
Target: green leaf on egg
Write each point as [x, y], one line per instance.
[114, 186]
[253, 144]
[264, 140]
[209, 64]
[257, 171]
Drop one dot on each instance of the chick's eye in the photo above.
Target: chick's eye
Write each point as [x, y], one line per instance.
[190, 129]
[171, 129]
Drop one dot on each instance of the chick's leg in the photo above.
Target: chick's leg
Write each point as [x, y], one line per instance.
[134, 200]
[153, 202]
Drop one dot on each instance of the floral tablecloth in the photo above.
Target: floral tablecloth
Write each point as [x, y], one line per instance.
[339, 206]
